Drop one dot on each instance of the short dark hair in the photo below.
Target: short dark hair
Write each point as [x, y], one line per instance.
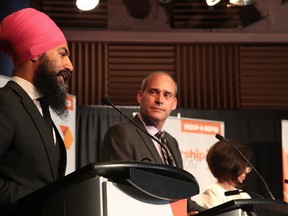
[225, 162]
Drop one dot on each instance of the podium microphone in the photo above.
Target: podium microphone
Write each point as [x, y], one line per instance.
[232, 192]
[221, 138]
[235, 192]
[107, 101]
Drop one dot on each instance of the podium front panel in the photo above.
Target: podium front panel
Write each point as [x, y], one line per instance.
[257, 207]
[237, 212]
[119, 200]
[83, 198]
[107, 189]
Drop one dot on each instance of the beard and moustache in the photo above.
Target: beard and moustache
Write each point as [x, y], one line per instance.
[54, 91]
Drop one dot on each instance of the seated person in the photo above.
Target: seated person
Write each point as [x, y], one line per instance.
[230, 169]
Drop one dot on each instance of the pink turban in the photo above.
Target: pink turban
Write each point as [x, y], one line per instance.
[28, 33]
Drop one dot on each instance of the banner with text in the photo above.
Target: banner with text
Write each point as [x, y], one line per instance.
[285, 158]
[195, 137]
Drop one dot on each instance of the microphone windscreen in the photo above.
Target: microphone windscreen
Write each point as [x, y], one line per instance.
[232, 192]
[106, 100]
[219, 137]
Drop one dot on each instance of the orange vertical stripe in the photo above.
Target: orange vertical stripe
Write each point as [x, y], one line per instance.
[285, 174]
[179, 208]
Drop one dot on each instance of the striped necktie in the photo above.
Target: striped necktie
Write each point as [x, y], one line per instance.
[168, 159]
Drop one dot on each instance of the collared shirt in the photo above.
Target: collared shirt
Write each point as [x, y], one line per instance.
[33, 93]
[28, 87]
[152, 131]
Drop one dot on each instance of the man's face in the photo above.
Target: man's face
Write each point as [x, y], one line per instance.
[52, 73]
[158, 99]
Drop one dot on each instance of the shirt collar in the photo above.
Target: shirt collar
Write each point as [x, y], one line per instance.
[28, 87]
[151, 129]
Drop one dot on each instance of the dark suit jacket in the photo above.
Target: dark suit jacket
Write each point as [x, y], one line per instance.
[28, 158]
[126, 142]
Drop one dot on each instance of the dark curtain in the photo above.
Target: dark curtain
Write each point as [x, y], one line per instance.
[260, 129]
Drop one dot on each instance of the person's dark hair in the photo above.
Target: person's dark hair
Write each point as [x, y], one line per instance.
[146, 79]
[226, 163]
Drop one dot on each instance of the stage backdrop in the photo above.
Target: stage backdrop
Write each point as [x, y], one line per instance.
[66, 127]
[195, 137]
[285, 158]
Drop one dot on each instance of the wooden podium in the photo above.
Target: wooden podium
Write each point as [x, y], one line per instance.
[253, 207]
[108, 189]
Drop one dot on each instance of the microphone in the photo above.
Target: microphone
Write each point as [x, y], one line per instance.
[235, 192]
[231, 193]
[221, 138]
[107, 101]
[286, 181]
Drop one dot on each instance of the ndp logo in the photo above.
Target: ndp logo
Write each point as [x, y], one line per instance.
[203, 127]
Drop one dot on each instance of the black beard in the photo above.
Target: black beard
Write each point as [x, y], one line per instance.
[53, 91]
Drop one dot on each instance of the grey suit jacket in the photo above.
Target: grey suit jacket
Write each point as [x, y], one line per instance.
[126, 142]
[28, 156]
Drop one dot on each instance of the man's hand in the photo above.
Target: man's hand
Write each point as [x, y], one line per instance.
[192, 213]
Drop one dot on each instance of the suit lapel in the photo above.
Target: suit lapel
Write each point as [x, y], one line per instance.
[63, 153]
[38, 120]
[173, 147]
[148, 141]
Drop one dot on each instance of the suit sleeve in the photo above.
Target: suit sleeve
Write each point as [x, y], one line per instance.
[9, 190]
[193, 206]
[117, 145]
[6, 126]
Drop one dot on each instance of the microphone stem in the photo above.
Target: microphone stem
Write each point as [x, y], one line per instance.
[218, 136]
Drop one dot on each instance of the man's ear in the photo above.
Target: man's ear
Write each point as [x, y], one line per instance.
[35, 59]
[139, 96]
[175, 101]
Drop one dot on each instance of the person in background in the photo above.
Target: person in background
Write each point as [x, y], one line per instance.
[125, 142]
[32, 152]
[230, 170]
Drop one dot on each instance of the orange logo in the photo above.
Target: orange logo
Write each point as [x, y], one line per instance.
[70, 102]
[67, 136]
[203, 127]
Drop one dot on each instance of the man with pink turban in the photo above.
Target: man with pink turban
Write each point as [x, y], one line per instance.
[32, 152]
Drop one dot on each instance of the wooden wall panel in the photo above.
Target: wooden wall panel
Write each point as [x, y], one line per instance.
[207, 76]
[129, 64]
[88, 78]
[264, 76]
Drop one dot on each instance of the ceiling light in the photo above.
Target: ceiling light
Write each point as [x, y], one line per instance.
[212, 2]
[241, 2]
[86, 5]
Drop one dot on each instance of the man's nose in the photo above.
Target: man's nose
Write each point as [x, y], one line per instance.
[68, 64]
